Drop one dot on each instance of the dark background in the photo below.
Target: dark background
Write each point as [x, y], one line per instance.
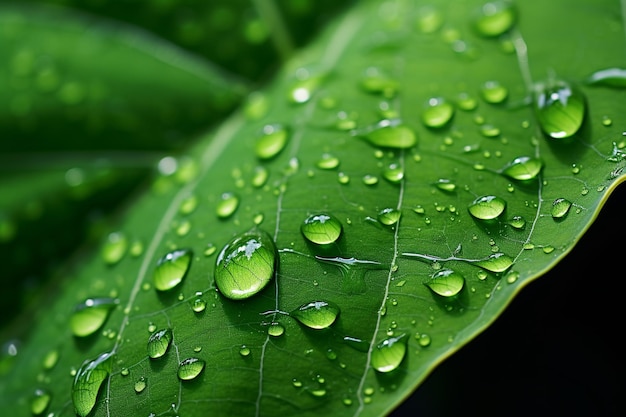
[556, 350]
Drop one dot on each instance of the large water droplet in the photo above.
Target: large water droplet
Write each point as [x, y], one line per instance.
[90, 315]
[523, 168]
[316, 314]
[446, 283]
[321, 229]
[487, 207]
[394, 173]
[227, 205]
[495, 18]
[497, 262]
[389, 216]
[190, 368]
[114, 248]
[159, 342]
[560, 208]
[272, 141]
[171, 269]
[40, 402]
[560, 109]
[275, 329]
[389, 353]
[245, 265]
[388, 135]
[87, 383]
[438, 113]
[611, 77]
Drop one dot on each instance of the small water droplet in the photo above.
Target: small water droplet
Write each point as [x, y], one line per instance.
[369, 179]
[114, 248]
[394, 173]
[188, 205]
[389, 135]
[517, 222]
[328, 161]
[90, 315]
[260, 176]
[389, 216]
[389, 353]
[124, 372]
[443, 184]
[316, 314]
[171, 269]
[190, 368]
[377, 82]
[275, 329]
[40, 402]
[466, 102]
[523, 168]
[141, 384]
[198, 304]
[560, 109]
[560, 208]
[487, 207]
[494, 93]
[210, 249]
[136, 249]
[244, 351]
[256, 106]
[495, 18]
[51, 359]
[489, 131]
[321, 229]
[159, 342]
[438, 112]
[227, 205]
[87, 383]
[610, 77]
[271, 142]
[245, 265]
[497, 262]
[429, 19]
[446, 283]
[423, 339]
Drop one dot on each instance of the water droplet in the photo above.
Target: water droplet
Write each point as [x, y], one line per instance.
[90, 315]
[171, 269]
[190, 368]
[159, 342]
[256, 106]
[188, 205]
[389, 353]
[466, 102]
[493, 92]
[141, 384]
[306, 85]
[517, 222]
[328, 161]
[443, 184]
[369, 179]
[183, 228]
[276, 329]
[560, 109]
[272, 141]
[423, 339]
[497, 262]
[560, 208]
[611, 77]
[389, 216]
[245, 265]
[394, 173]
[87, 383]
[51, 359]
[429, 19]
[489, 131]
[343, 178]
[438, 113]
[244, 351]
[316, 314]
[523, 168]
[375, 81]
[136, 248]
[114, 248]
[495, 18]
[446, 283]
[124, 372]
[40, 402]
[388, 135]
[487, 207]
[322, 229]
[198, 304]
[260, 177]
[227, 205]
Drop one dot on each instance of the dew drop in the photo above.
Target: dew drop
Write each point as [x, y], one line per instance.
[517, 222]
[369, 179]
[444, 184]
[429, 19]
[244, 351]
[51, 359]
[321, 229]
[188, 205]
[260, 176]
[376, 82]
[560, 208]
[275, 329]
[245, 265]
[159, 342]
[389, 353]
[171, 269]
[389, 216]
[494, 93]
[87, 383]
[466, 102]
[198, 305]
[610, 77]
[328, 161]
[190, 368]
[141, 384]
[114, 248]
[497, 262]
[446, 283]
[343, 178]
[438, 113]
[272, 141]
[316, 314]
[227, 205]
[90, 315]
[487, 207]
[495, 18]
[489, 131]
[523, 168]
[256, 106]
[387, 135]
[40, 402]
[423, 339]
[136, 248]
[124, 372]
[394, 173]
[560, 109]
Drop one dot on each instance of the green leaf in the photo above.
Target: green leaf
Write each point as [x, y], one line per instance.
[436, 237]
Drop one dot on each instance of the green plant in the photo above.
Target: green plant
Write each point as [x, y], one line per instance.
[358, 220]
